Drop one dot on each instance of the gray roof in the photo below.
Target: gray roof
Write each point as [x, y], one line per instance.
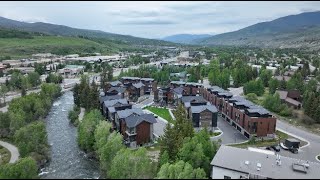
[108, 98]
[199, 109]
[282, 94]
[194, 84]
[138, 85]
[114, 102]
[111, 109]
[147, 79]
[225, 94]
[217, 89]
[261, 111]
[127, 112]
[178, 90]
[292, 101]
[234, 159]
[115, 83]
[251, 107]
[118, 89]
[131, 78]
[134, 120]
[178, 82]
[191, 98]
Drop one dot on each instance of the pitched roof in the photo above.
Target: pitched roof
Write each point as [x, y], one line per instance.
[178, 82]
[113, 102]
[178, 90]
[147, 79]
[138, 85]
[235, 159]
[127, 112]
[199, 109]
[292, 101]
[108, 98]
[115, 83]
[131, 78]
[117, 89]
[134, 120]
[283, 94]
[192, 98]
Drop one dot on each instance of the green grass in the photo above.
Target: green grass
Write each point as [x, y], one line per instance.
[214, 133]
[155, 147]
[5, 155]
[265, 142]
[162, 112]
[17, 48]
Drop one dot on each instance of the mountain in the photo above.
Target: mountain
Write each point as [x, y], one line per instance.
[185, 38]
[53, 29]
[294, 31]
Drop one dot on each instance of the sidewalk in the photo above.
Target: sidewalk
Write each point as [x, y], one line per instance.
[13, 150]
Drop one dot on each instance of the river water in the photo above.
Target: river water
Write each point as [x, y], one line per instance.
[67, 160]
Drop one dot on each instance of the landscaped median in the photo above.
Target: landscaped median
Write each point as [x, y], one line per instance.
[5, 155]
[264, 143]
[162, 112]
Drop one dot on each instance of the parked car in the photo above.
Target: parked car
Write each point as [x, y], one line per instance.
[276, 147]
[294, 150]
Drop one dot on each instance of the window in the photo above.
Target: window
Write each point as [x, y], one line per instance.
[226, 177]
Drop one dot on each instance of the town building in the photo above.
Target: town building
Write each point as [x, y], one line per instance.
[236, 163]
[135, 126]
[249, 119]
[291, 97]
[71, 71]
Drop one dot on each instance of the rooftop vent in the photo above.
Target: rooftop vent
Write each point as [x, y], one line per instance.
[247, 162]
[258, 166]
[299, 168]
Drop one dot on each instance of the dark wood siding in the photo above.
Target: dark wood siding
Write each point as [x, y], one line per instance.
[143, 133]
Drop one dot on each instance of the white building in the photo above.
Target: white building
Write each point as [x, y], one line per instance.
[236, 163]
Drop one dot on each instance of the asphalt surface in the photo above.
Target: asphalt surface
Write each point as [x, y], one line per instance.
[230, 134]
[306, 153]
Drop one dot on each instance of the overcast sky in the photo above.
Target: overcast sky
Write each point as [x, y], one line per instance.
[154, 19]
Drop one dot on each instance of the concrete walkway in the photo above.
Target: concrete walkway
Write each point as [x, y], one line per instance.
[13, 150]
[82, 110]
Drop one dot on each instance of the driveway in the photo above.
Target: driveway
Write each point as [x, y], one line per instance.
[13, 150]
[230, 134]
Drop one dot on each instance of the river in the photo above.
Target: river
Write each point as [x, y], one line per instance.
[67, 160]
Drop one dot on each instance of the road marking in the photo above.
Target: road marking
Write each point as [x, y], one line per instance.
[298, 137]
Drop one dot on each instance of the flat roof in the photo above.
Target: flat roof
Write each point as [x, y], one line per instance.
[246, 161]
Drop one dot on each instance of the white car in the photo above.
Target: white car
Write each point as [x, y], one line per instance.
[283, 146]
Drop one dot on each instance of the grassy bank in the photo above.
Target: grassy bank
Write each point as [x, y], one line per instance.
[162, 112]
[18, 48]
[5, 155]
[255, 143]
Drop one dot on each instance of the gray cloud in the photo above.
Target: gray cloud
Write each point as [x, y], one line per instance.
[148, 22]
[158, 19]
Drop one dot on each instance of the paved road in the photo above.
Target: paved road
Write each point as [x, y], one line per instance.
[307, 153]
[230, 134]
[13, 150]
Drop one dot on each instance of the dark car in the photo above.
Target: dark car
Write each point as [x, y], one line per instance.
[276, 148]
[294, 150]
[268, 148]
